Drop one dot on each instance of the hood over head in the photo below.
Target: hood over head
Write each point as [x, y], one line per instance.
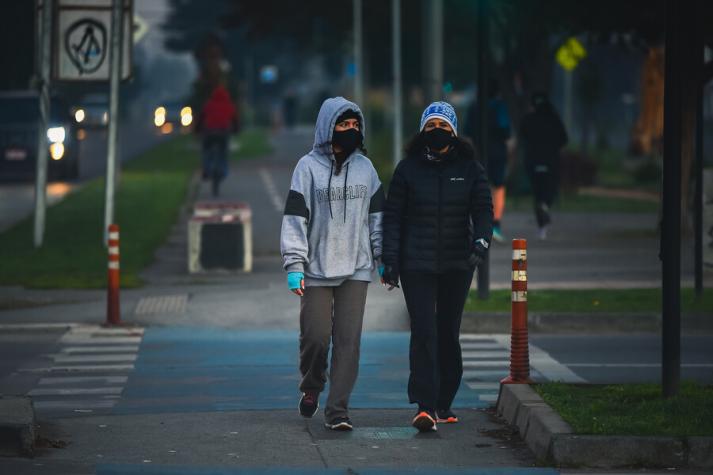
[331, 109]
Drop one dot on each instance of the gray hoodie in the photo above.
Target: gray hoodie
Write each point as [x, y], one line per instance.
[331, 229]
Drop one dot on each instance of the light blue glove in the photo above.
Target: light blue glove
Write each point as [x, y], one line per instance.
[294, 280]
[381, 270]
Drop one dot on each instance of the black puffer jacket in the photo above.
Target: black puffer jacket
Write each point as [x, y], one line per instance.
[435, 211]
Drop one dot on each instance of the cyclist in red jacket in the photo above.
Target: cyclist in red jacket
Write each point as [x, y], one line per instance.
[216, 121]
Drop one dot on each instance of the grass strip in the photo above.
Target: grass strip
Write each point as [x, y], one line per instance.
[632, 409]
[152, 189]
[591, 300]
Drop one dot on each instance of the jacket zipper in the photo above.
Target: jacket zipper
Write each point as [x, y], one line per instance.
[439, 220]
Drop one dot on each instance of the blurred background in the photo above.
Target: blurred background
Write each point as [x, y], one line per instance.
[281, 59]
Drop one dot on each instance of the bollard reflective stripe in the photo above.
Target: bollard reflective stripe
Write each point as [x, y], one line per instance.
[519, 296]
[519, 346]
[113, 315]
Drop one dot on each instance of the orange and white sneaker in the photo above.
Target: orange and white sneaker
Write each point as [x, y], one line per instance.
[425, 421]
[446, 416]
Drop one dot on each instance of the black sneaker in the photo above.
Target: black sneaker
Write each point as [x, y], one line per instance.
[309, 404]
[425, 421]
[446, 416]
[340, 423]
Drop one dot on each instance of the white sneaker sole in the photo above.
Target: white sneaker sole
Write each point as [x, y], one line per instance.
[342, 426]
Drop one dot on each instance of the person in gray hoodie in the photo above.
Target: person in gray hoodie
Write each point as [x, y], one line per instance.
[330, 243]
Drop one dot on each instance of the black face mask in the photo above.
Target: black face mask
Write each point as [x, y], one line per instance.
[437, 139]
[348, 140]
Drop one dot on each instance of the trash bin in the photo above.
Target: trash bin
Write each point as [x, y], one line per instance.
[220, 237]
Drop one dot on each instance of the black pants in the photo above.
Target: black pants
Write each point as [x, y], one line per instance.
[544, 187]
[435, 305]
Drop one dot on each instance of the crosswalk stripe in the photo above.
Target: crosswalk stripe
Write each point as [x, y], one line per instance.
[129, 357]
[75, 391]
[74, 340]
[74, 405]
[479, 386]
[90, 368]
[101, 349]
[54, 380]
[485, 374]
[486, 364]
[485, 354]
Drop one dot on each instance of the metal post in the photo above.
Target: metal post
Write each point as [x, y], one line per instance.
[433, 48]
[483, 277]
[358, 55]
[45, 55]
[396, 62]
[115, 53]
[671, 222]
[437, 51]
[567, 115]
[698, 195]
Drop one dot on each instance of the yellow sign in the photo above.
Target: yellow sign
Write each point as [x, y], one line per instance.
[570, 54]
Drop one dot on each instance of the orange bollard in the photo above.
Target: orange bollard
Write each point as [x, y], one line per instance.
[519, 346]
[113, 317]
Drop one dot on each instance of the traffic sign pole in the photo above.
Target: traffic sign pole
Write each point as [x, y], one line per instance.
[44, 89]
[115, 56]
[396, 63]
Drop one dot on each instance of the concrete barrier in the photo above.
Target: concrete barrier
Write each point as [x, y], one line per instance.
[220, 237]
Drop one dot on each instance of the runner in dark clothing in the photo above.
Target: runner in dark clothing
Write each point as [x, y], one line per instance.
[542, 136]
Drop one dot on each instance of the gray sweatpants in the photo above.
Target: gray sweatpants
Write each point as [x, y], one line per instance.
[336, 313]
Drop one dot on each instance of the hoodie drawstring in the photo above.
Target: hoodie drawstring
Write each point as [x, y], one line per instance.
[329, 189]
[346, 174]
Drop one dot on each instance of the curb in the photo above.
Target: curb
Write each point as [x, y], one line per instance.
[476, 322]
[554, 442]
[17, 426]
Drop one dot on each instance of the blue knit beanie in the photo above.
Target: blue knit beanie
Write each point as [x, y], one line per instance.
[441, 110]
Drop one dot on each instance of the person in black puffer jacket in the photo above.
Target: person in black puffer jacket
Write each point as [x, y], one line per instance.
[438, 222]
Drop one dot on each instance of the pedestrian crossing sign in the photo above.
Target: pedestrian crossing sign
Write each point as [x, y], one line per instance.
[81, 40]
[570, 54]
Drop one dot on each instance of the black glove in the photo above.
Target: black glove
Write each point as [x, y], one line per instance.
[478, 253]
[391, 275]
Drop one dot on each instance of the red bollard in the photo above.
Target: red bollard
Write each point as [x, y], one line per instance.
[519, 346]
[113, 317]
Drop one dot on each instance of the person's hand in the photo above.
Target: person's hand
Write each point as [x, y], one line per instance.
[389, 276]
[477, 255]
[296, 282]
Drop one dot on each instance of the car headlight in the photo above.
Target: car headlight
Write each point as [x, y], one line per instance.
[79, 115]
[57, 151]
[56, 134]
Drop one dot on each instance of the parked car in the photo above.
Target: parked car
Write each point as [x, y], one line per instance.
[92, 112]
[19, 119]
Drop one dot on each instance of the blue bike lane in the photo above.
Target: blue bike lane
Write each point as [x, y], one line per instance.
[253, 375]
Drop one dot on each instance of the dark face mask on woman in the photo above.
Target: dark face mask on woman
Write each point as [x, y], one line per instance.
[347, 140]
[437, 139]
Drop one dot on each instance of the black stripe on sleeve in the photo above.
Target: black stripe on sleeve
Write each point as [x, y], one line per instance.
[296, 205]
[377, 201]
